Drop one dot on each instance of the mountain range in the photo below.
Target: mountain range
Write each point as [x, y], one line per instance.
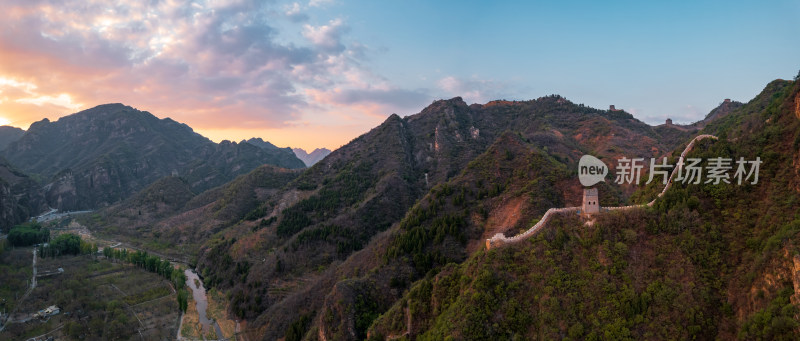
[384, 237]
[342, 241]
[331, 257]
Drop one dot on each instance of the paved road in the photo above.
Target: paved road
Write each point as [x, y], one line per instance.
[33, 279]
[53, 214]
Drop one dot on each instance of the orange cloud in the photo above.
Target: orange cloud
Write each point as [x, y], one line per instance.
[215, 66]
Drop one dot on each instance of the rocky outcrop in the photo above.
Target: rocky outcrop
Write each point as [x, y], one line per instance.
[797, 105]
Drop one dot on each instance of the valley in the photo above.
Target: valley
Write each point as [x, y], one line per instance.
[96, 298]
[151, 303]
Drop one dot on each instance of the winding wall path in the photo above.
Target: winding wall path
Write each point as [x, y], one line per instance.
[500, 238]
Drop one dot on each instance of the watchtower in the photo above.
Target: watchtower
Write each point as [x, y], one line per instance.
[591, 201]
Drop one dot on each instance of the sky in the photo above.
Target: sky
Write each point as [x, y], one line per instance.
[318, 73]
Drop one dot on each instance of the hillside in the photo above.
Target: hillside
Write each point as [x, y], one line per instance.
[102, 155]
[707, 261]
[285, 259]
[167, 213]
[724, 109]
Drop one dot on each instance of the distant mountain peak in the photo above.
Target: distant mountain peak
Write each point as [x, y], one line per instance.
[258, 142]
[104, 154]
[311, 158]
[723, 109]
[287, 155]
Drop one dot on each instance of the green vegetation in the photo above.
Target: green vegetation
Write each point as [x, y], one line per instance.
[99, 300]
[414, 240]
[150, 263]
[183, 299]
[264, 223]
[298, 328]
[67, 244]
[443, 213]
[15, 273]
[147, 295]
[256, 213]
[775, 322]
[28, 234]
[366, 311]
[344, 190]
[156, 265]
[570, 281]
[346, 241]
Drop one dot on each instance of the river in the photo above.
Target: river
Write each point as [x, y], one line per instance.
[199, 295]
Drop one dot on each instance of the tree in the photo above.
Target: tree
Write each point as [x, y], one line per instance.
[74, 330]
[178, 278]
[67, 244]
[28, 234]
[183, 299]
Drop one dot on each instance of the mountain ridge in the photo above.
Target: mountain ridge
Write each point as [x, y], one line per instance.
[9, 134]
[99, 156]
[285, 156]
[331, 207]
[634, 266]
[387, 211]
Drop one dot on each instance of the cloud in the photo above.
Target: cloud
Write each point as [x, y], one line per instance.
[399, 98]
[26, 93]
[474, 90]
[62, 100]
[216, 64]
[327, 37]
[319, 3]
[295, 14]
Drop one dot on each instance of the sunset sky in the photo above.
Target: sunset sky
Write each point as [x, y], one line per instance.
[319, 73]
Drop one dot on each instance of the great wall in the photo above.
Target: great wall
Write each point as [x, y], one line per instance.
[500, 239]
